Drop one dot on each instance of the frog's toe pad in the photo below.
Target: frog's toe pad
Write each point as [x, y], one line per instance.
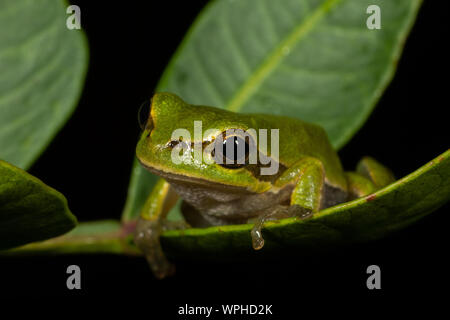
[257, 239]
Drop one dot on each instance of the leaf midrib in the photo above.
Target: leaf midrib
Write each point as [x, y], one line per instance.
[248, 88]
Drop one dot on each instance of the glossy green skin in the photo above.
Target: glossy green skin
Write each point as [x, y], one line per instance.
[311, 176]
[297, 139]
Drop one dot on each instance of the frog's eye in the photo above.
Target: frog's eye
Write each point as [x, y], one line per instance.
[233, 152]
[144, 114]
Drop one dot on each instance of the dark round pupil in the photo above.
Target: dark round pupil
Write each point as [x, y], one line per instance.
[143, 114]
[238, 145]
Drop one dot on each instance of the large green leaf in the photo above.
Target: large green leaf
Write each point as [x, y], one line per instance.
[42, 69]
[29, 209]
[367, 218]
[312, 59]
[104, 236]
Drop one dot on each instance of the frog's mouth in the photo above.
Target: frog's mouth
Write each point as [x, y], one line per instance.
[187, 180]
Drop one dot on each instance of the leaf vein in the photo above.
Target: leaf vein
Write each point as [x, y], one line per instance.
[249, 87]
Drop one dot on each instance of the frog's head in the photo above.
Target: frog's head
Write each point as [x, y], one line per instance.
[175, 148]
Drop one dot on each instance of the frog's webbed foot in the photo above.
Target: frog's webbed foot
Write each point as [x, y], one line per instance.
[147, 239]
[280, 212]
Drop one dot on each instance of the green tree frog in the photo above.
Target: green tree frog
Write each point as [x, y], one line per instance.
[308, 176]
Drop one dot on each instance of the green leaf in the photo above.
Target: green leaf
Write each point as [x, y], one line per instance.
[43, 66]
[29, 209]
[105, 236]
[368, 218]
[312, 59]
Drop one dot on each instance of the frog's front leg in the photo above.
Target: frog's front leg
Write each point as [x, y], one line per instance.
[150, 226]
[307, 177]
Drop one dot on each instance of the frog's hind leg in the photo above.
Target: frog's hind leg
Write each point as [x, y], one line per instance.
[375, 171]
[369, 177]
[358, 185]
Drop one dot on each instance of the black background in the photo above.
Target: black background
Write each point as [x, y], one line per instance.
[90, 163]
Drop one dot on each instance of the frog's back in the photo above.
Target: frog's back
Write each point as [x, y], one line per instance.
[298, 139]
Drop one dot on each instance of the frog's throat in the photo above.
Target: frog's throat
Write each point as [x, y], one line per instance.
[183, 179]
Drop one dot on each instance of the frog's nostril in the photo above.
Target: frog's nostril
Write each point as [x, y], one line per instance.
[144, 115]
